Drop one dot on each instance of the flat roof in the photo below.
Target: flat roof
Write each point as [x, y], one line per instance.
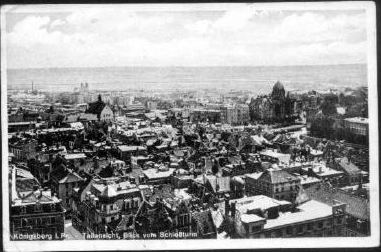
[155, 173]
[74, 155]
[362, 120]
[249, 218]
[310, 210]
[131, 147]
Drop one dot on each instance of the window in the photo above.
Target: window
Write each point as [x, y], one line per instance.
[23, 209]
[289, 230]
[53, 220]
[38, 222]
[320, 224]
[17, 223]
[309, 226]
[300, 229]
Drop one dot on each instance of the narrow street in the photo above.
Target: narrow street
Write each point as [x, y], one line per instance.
[71, 232]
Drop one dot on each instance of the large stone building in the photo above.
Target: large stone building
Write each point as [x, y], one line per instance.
[277, 184]
[276, 106]
[235, 115]
[101, 109]
[35, 214]
[205, 115]
[264, 217]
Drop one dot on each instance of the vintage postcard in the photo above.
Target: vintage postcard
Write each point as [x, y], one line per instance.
[189, 126]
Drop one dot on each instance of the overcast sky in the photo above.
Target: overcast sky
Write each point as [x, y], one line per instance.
[241, 36]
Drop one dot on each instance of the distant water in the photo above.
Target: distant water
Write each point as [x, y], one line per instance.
[256, 79]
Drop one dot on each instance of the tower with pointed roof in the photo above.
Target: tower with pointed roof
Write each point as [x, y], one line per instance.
[278, 100]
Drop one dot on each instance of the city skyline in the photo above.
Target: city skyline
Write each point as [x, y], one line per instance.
[238, 35]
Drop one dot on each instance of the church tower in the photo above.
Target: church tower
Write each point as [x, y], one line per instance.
[278, 99]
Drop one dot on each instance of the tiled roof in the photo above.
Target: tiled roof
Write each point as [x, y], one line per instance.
[71, 177]
[96, 107]
[162, 192]
[204, 222]
[222, 182]
[23, 185]
[277, 176]
[356, 206]
[349, 167]
[39, 196]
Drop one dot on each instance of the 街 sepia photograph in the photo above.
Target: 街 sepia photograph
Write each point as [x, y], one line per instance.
[189, 126]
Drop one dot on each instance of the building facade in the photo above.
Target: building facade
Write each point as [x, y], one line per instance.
[274, 107]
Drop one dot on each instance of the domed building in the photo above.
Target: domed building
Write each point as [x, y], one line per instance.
[275, 107]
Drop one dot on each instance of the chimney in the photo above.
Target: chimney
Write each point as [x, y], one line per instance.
[137, 180]
[233, 209]
[227, 206]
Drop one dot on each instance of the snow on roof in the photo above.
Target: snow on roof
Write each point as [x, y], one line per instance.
[257, 202]
[340, 110]
[323, 170]
[249, 218]
[254, 175]
[305, 180]
[70, 177]
[316, 152]
[182, 194]
[74, 156]
[358, 120]
[155, 173]
[24, 173]
[109, 189]
[131, 148]
[76, 125]
[310, 210]
[281, 156]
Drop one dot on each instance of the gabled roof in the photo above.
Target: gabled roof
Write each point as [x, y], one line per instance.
[23, 185]
[349, 167]
[204, 222]
[356, 206]
[277, 176]
[219, 184]
[70, 177]
[109, 192]
[96, 107]
[39, 196]
[23, 173]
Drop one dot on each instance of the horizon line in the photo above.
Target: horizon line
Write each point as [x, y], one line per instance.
[191, 66]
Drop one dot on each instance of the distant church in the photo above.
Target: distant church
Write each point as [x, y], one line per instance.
[275, 107]
[101, 110]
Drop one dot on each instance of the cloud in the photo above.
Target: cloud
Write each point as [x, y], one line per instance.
[239, 36]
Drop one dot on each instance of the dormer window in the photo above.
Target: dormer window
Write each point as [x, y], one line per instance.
[38, 207]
